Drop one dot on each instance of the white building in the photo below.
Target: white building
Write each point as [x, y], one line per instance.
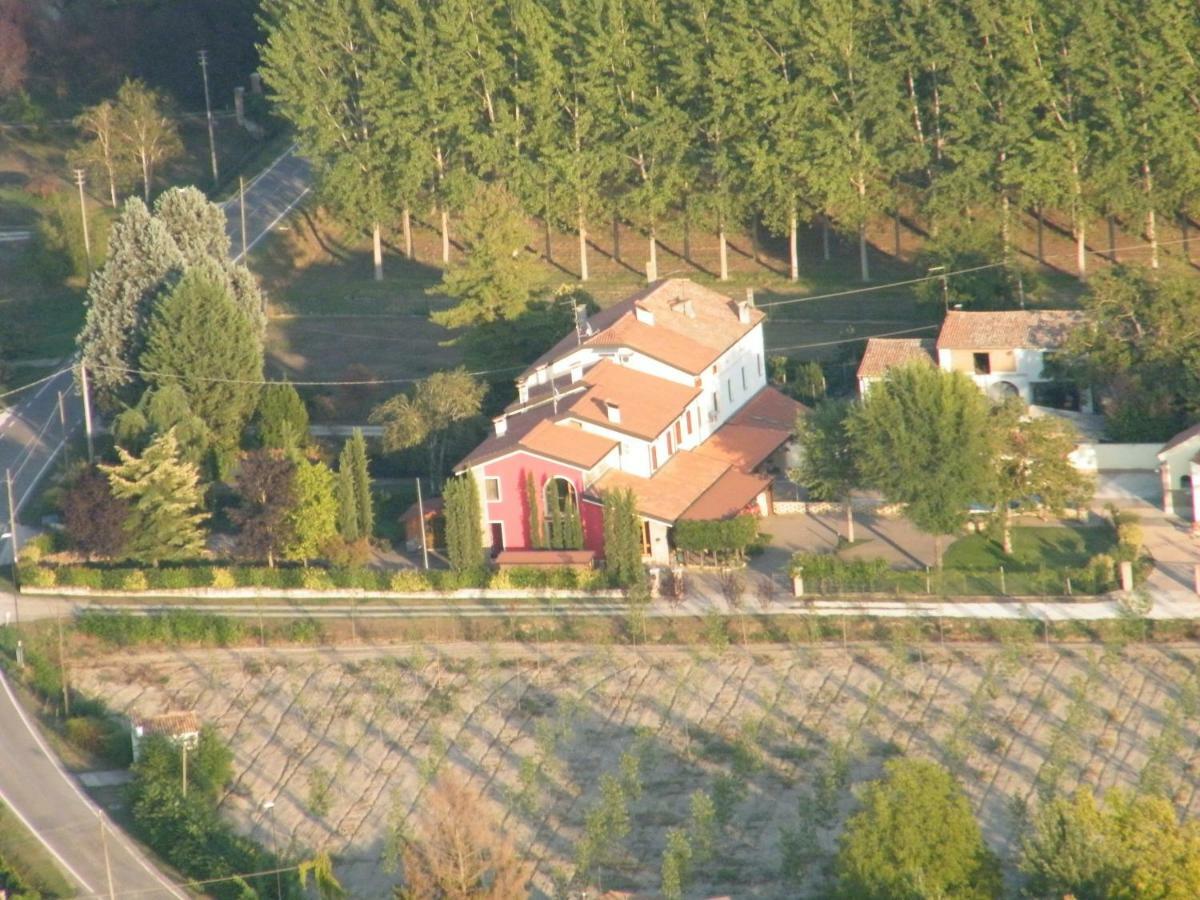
[1005, 353]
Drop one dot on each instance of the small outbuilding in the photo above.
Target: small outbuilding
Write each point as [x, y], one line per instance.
[181, 728]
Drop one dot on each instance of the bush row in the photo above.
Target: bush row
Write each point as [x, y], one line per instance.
[825, 573]
[130, 578]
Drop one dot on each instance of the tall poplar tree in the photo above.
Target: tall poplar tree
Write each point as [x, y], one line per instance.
[316, 61]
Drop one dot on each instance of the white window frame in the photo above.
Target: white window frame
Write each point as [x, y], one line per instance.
[487, 479]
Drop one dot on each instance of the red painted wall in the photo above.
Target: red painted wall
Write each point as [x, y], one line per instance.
[511, 507]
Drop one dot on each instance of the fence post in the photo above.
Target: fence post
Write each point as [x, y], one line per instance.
[1126, 575]
[1003, 582]
[928, 586]
[1069, 594]
[798, 582]
[1196, 577]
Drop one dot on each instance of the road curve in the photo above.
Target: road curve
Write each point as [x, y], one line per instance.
[52, 805]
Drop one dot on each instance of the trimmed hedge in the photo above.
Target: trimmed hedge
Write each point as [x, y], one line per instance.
[827, 573]
[136, 578]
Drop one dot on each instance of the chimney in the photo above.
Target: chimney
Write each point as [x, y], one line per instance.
[750, 296]
[643, 315]
[743, 310]
[576, 373]
[684, 306]
[501, 425]
[614, 412]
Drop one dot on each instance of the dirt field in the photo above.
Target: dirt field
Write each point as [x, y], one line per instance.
[346, 742]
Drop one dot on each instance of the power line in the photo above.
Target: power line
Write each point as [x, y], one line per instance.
[363, 383]
[851, 340]
[32, 384]
[880, 287]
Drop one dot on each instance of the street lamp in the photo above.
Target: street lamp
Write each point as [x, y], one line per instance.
[941, 270]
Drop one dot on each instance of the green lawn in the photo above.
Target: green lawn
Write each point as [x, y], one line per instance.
[23, 857]
[1051, 547]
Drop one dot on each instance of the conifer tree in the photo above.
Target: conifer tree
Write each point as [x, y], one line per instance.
[622, 538]
[196, 225]
[537, 533]
[496, 277]
[141, 256]
[554, 516]
[464, 541]
[347, 502]
[163, 492]
[360, 477]
[281, 417]
[160, 410]
[198, 339]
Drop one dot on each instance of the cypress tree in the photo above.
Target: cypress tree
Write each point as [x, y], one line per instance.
[622, 538]
[574, 529]
[537, 534]
[361, 479]
[348, 522]
[464, 542]
[554, 519]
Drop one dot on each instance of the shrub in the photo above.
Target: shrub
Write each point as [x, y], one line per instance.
[81, 576]
[221, 578]
[314, 579]
[304, 631]
[37, 576]
[134, 580]
[408, 580]
[176, 578]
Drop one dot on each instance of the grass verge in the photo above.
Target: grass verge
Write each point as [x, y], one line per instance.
[25, 866]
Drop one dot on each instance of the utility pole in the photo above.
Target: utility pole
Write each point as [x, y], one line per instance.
[242, 210]
[12, 538]
[87, 242]
[112, 893]
[421, 513]
[212, 142]
[87, 410]
[62, 668]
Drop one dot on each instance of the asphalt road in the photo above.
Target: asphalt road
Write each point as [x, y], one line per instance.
[270, 196]
[49, 802]
[31, 434]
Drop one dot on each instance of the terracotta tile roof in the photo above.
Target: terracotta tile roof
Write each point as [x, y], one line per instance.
[545, 558]
[170, 724]
[743, 446]
[1182, 438]
[520, 423]
[884, 353]
[770, 408]
[693, 325]
[668, 493]
[728, 495]
[569, 443]
[756, 431]
[648, 405]
[535, 430]
[1035, 329]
